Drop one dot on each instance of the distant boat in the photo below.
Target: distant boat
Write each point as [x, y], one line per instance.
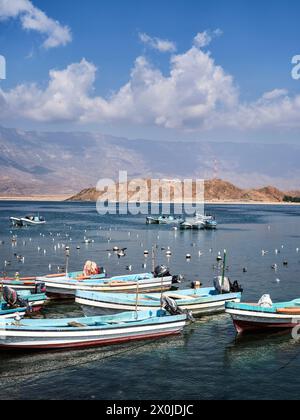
[163, 220]
[250, 317]
[30, 220]
[199, 222]
[200, 302]
[47, 334]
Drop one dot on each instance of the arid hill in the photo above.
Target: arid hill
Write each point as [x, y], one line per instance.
[216, 190]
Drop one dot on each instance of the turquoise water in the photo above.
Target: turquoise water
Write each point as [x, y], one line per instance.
[207, 361]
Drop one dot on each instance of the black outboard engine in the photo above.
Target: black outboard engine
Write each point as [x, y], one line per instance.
[40, 288]
[236, 287]
[161, 271]
[177, 279]
[10, 296]
[170, 305]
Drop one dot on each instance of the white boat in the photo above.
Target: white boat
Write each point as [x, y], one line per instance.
[199, 302]
[29, 220]
[47, 334]
[253, 317]
[67, 287]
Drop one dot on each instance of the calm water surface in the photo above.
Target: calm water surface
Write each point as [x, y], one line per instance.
[207, 361]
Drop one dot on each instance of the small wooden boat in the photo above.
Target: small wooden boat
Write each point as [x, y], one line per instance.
[65, 287]
[50, 334]
[7, 312]
[34, 301]
[19, 284]
[200, 302]
[251, 317]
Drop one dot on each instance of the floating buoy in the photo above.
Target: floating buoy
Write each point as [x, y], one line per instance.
[285, 263]
[219, 257]
[146, 252]
[116, 248]
[188, 256]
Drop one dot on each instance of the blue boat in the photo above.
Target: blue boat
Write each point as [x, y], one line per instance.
[20, 303]
[6, 311]
[48, 334]
[200, 302]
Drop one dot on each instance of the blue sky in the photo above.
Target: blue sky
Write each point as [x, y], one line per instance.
[255, 50]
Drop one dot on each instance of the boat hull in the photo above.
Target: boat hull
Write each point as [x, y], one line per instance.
[60, 338]
[247, 321]
[68, 289]
[93, 307]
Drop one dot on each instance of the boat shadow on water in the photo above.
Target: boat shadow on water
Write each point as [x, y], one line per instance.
[20, 366]
[276, 350]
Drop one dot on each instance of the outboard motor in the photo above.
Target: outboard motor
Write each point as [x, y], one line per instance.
[171, 306]
[224, 286]
[10, 296]
[236, 288]
[40, 288]
[177, 279]
[161, 271]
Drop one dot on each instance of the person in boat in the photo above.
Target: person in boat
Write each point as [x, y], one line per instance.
[91, 269]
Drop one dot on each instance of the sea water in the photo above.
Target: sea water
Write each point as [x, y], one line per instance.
[207, 361]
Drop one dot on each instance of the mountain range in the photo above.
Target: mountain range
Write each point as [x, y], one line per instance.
[33, 163]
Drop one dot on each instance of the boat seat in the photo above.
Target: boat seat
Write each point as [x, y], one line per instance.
[77, 325]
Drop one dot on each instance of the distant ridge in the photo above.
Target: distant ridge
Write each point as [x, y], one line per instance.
[216, 190]
[39, 163]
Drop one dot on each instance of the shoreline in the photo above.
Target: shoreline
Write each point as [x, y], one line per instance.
[63, 198]
[39, 198]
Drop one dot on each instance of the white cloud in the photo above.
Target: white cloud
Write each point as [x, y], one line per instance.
[275, 94]
[203, 39]
[34, 19]
[161, 45]
[196, 94]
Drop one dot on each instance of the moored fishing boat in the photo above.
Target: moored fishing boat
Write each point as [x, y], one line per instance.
[199, 222]
[50, 334]
[259, 317]
[64, 287]
[200, 302]
[20, 303]
[19, 283]
[163, 220]
[30, 220]
[6, 312]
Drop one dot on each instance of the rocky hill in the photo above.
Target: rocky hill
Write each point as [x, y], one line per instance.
[215, 190]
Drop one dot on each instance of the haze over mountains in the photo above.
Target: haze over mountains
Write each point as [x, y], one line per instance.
[33, 163]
